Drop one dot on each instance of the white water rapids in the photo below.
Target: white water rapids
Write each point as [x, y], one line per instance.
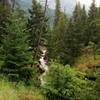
[43, 65]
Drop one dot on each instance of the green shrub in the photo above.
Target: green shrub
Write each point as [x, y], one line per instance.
[63, 83]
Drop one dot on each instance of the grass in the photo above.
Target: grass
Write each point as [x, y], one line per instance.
[9, 92]
[84, 63]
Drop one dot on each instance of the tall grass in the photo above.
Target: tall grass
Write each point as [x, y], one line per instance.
[87, 62]
[9, 91]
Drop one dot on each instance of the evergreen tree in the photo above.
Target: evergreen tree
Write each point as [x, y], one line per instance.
[4, 14]
[92, 29]
[72, 45]
[78, 20]
[98, 12]
[54, 33]
[57, 12]
[15, 50]
[84, 15]
[74, 35]
[59, 38]
[77, 13]
[37, 28]
[91, 33]
[93, 11]
[57, 42]
[84, 24]
[4, 20]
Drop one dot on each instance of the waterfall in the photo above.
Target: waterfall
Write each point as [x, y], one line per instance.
[43, 65]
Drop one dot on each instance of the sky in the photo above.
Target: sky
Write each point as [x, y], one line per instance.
[88, 2]
[66, 5]
[72, 2]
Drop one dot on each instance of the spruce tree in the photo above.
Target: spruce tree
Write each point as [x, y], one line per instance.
[71, 44]
[84, 24]
[93, 11]
[4, 20]
[92, 16]
[84, 15]
[57, 42]
[36, 28]
[77, 12]
[74, 35]
[54, 33]
[78, 20]
[57, 12]
[59, 47]
[98, 12]
[4, 14]
[17, 58]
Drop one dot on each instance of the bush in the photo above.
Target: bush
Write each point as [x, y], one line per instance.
[94, 83]
[63, 83]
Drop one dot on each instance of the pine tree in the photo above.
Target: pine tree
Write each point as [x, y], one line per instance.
[79, 20]
[77, 12]
[84, 15]
[55, 32]
[59, 38]
[93, 11]
[57, 42]
[4, 14]
[75, 34]
[37, 28]
[84, 24]
[72, 48]
[4, 20]
[17, 58]
[98, 12]
[57, 12]
[92, 16]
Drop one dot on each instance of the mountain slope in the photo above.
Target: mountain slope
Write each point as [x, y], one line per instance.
[26, 4]
[68, 5]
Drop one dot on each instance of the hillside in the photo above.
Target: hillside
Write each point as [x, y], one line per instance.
[41, 61]
[26, 4]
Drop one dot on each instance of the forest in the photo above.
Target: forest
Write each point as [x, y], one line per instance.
[44, 60]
